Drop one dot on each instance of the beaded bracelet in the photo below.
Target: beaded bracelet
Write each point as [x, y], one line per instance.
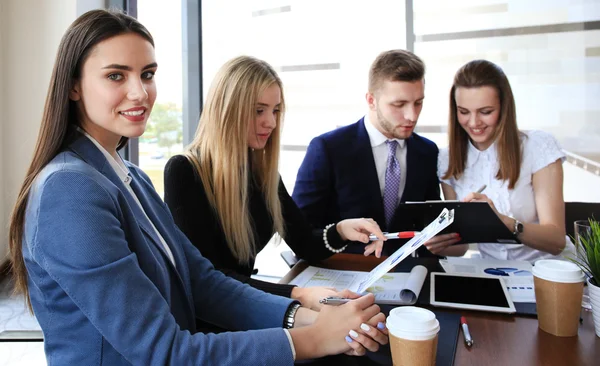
[332, 249]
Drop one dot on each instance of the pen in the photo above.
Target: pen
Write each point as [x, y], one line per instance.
[400, 235]
[465, 328]
[334, 300]
[481, 189]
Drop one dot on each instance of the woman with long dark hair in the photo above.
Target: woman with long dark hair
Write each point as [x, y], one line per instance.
[110, 278]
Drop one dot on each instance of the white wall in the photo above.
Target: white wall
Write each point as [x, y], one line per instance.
[3, 239]
[30, 31]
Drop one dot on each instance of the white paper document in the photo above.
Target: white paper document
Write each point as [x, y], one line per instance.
[444, 219]
[516, 274]
[392, 288]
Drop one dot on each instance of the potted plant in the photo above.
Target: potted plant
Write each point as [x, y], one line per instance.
[588, 259]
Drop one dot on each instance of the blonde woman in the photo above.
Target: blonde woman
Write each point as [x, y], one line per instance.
[226, 194]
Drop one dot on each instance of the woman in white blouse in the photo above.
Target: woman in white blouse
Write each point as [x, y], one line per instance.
[522, 171]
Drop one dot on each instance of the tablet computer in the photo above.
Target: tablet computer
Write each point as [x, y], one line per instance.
[472, 292]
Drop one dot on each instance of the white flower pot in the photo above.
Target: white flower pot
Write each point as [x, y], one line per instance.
[595, 301]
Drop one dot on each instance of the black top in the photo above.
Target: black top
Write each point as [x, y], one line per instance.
[186, 198]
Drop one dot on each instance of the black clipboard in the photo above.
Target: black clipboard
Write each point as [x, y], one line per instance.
[476, 222]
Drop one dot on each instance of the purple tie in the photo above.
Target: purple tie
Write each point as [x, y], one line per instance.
[392, 182]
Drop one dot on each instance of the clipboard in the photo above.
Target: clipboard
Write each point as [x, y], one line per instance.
[476, 222]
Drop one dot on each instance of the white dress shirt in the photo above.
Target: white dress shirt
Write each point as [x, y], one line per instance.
[380, 155]
[539, 149]
[121, 169]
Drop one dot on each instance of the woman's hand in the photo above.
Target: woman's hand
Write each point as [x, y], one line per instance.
[351, 328]
[439, 243]
[375, 329]
[369, 335]
[359, 230]
[310, 296]
[480, 197]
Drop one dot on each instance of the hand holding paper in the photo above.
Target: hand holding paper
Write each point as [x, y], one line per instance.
[440, 223]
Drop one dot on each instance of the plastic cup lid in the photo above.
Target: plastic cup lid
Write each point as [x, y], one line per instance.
[558, 271]
[412, 320]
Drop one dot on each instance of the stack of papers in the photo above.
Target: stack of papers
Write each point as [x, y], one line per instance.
[394, 288]
[391, 288]
[516, 274]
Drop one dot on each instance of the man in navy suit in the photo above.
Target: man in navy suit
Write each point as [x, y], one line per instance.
[367, 168]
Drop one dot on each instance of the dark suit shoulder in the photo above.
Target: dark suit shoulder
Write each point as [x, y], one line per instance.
[341, 135]
[424, 144]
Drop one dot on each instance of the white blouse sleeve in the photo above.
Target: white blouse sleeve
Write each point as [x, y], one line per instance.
[443, 159]
[544, 149]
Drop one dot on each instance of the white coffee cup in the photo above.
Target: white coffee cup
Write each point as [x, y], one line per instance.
[555, 270]
[413, 336]
[558, 291]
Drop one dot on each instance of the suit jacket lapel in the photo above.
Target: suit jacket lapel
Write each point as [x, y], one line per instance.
[90, 153]
[153, 210]
[86, 149]
[366, 165]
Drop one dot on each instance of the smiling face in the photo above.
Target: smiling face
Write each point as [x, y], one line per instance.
[478, 112]
[395, 107]
[116, 91]
[267, 114]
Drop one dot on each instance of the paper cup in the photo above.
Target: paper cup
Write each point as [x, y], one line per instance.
[558, 293]
[413, 336]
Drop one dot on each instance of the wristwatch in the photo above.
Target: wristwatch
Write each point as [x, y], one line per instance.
[290, 315]
[518, 228]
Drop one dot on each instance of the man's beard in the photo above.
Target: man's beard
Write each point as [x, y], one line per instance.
[386, 125]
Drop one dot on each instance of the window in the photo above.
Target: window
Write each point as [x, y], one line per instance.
[322, 51]
[550, 52]
[164, 134]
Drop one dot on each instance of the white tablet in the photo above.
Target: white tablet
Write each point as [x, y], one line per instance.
[472, 292]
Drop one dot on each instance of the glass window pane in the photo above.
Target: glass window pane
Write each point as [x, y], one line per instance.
[554, 70]
[164, 134]
[322, 51]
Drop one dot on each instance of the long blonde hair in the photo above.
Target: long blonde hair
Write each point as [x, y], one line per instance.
[220, 153]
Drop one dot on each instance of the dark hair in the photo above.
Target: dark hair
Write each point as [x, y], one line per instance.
[395, 65]
[476, 74]
[60, 113]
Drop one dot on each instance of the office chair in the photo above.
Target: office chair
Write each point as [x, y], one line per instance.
[579, 211]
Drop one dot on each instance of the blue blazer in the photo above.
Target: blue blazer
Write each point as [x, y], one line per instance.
[338, 180]
[104, 290]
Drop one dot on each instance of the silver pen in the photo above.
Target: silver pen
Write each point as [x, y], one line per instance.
[400, 235]
[334, 300]
[481, 189]
[465, 327]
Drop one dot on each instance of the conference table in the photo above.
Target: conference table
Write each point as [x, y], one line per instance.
[499, 339]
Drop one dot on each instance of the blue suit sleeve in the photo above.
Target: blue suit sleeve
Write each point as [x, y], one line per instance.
[313, 191]
[245, 307]
[79, 240]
